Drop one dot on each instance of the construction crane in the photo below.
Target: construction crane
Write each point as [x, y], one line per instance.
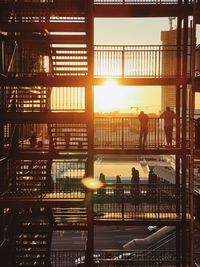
[150, 108]
[171, 23]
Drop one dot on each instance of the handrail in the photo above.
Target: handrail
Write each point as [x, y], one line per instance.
[8, 70]
[117, 2]
[12, 57]
[11, 145]
[6, 231]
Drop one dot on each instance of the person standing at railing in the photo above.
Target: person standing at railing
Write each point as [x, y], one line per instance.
[168, 115]
[153, 180]
[102, 179]
[135, 189]
[33, 139]
[118, 191]
[144, 119]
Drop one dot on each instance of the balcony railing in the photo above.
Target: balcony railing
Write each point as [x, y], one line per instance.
[138, 2]
[124, 133]
[113, 258]
[138, 61]
[97, 2]
[40, 191]
[138, 201]
[43, 99]
[118, 202]
[109, 133]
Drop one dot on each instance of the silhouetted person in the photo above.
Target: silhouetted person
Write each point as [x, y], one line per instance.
[67, 140]
[152, 185]
[118, 192]
[132, 171]
[197, 133]
[135, 186]
[33, 139]
[168, 115]
[144, 119]
[40, 144]
[135, 177]
[102, 179]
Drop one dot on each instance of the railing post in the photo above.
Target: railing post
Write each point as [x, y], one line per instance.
[123, 58]
[155, 141]
[122, 133]
[123, 204]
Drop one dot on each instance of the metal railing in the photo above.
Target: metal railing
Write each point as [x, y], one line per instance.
[109, 133]
[113, 258]
[145, 61]
[124, 202]
[98, 2]
[42, 191]
[138, 2]
[139, 61]
[124, 133]
[138, 201]
[43, 99]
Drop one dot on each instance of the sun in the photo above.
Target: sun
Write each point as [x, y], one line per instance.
[112, 97]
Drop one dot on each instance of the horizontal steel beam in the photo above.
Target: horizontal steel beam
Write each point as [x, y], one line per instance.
[43, 117]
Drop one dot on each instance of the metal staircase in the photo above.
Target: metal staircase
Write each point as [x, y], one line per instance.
[69, 218]
[33, 238]
[32, 176]
[69, 136]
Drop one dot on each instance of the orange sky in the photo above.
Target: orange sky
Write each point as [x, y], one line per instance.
[130, 31]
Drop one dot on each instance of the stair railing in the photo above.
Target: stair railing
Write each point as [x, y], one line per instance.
[8, 236]
[12, 93]
[11, 146]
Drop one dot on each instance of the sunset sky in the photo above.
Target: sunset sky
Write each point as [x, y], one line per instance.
[130, 31]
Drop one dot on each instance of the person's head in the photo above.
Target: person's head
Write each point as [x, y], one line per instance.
[141, 112]
[168, 108]
[40, 144]
[118, 179]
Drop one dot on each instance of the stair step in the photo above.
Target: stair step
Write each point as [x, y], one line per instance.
[66, 54]
[72, 50]
[67, 60]
[69, 67]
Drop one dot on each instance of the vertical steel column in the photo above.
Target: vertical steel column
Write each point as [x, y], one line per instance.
[178, 98]
[1, 138]
[183, 148]
[2, 167]
[192, 131]
[90, 120]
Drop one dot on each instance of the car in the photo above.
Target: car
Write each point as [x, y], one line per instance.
[152, 228]
[81, 261]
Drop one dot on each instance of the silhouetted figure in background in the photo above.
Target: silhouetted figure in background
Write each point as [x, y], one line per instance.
[118, 181]
[135, 190]
[118, 192]
[67, 140]
[152, 185]
[168, 115]
[33, 139]
[40, 144]
[144, 119]
[102, 179]
[197, 133]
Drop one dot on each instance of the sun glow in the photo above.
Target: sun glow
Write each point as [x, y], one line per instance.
[112, 97]
[92, 183]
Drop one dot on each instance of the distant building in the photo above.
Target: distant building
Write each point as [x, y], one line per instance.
[168, 93]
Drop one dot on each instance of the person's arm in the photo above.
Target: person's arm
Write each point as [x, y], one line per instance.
[162, 115]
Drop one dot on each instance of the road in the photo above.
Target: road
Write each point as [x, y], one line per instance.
[105, 237]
